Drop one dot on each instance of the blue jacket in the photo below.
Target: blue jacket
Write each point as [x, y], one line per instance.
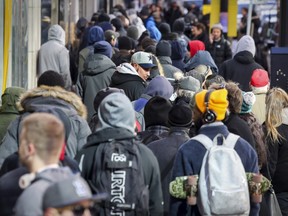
[189, 161]
[153, 30]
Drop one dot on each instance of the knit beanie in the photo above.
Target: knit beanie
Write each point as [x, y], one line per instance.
[195, 46]
[259, 78]
[104, 48]
[133, 32]
[159, 86]
[163, 48]
[179, 25]
[217, 102]
[51, 78]
[124, 43]
[189, 83]
[164, 28]
[180, 116]
[103, 17]
[217, 26]
[248, 101]
[156, 111]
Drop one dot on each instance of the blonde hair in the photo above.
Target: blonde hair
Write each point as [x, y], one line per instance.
[276, 101]
[47, 134]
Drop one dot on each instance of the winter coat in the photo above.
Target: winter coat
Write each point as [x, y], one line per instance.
[123, 56]
[177, 136]
[8, 110]
[153, 133]
[277, 156]
[54, 56]
[240, 69]
[30, 201]
[189, 161]
[46, 96]
[168, 68]
[148, 161]
[96, 76]
[259, 107]
[238, 126]
[220, 51]
[153, 30]
[127, 78]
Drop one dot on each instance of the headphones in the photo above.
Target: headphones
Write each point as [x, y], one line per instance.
[209, 116]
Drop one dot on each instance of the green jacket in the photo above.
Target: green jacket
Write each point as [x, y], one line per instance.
[9, 111]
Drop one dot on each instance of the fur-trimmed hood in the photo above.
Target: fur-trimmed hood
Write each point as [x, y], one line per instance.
[52, 92]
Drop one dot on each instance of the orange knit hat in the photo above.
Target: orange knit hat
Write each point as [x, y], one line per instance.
[217, 102]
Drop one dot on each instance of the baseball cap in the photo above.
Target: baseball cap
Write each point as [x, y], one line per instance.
[110, 34]
[68, 192]
[143, 59]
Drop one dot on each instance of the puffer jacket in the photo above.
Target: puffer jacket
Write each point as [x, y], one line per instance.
[46, 96]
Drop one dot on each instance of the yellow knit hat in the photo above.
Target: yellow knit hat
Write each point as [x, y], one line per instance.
[217, 102]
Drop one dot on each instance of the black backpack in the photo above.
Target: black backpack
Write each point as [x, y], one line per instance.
[115, 168]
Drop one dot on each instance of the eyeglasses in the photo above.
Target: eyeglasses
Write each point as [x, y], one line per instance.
[78, 210]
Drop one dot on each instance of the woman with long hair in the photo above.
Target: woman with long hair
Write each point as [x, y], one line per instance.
[276, 132]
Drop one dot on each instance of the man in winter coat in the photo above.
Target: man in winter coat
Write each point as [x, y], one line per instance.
[8, 110]
[180, 120]
[240, 68]
[97, 73]
[190, 155]
[219, 47]
[164, 52]
[49, 93]
[132, 77]
[117, 122]
[41, 141]
[54, 56]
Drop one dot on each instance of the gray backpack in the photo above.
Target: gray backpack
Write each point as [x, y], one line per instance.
[222, 186]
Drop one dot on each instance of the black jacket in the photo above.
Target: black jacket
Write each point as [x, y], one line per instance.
[98, 70]
[148, 161]
[133, 85]
[177, 136]
[220, 51]
[238, 126]
[240, 69]
[123, 56]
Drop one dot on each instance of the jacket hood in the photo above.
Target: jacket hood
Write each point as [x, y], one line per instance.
[95, 34]
[246, 43]
[53, 92]
[57, 33]
[10, 98]
[159, 86]
[201, 58]
[104, 48]
[127, 68]
[165, 60]
[93, 67]
[244, 57]
[178, 50]
[116, 111]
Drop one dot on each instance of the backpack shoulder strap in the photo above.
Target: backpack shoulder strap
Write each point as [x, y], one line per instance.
[204, 140]
[231, 140]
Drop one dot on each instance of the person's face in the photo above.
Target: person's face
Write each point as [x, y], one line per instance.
[144, 73]
[113, 42]
[23, 148]
[196, 31]
[216, 33]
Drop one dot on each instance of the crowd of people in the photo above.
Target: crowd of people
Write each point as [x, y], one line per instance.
[130, 108]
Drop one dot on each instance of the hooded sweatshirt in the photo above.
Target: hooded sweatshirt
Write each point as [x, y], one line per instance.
[98, 70]
[8, 110]
[95, 34]
[201, 58]
[128, 79]
[54, 56]
[158, 86]
[30, 201]
[117, 122]
[240, 68]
